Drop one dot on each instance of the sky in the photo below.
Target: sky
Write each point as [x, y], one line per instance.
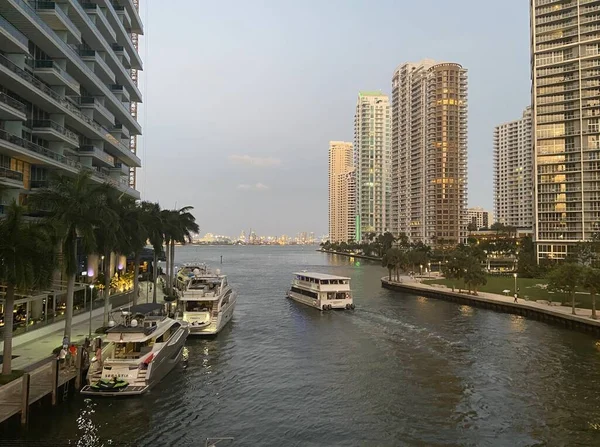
[241, 98]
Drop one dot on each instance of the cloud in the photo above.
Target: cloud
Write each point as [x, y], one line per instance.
[255, 187]
[254, 161]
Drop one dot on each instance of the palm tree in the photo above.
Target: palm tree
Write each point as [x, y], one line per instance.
[135, 236]
[72, 206]
[108, 235]
[153, 224]
[26, 262]
[170, 230]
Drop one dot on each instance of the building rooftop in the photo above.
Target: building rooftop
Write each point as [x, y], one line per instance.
[317, 275]
[371, 93]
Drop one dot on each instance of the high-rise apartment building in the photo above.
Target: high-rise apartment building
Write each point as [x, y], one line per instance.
[342, 193]
[480, 217]
[429, 152]
[68, 93]
[372, 162]
[513, 172]
[566, 120]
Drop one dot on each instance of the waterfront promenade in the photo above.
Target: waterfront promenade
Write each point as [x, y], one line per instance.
[28, 355]
[540, 309]
[350, 255]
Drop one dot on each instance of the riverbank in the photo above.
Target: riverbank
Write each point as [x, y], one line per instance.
[351, 255]
[542, 311]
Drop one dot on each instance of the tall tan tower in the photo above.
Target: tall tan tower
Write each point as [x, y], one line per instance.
[429, 152]
[566, 124]
[342, 192]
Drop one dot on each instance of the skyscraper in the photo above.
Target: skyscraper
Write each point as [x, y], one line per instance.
[566, 119]
[372, 162]
[429, 152]
[68, 93]
[480, 217]
[342, 196]
[513, 172]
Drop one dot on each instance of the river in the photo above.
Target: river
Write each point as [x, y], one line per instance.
[399, 370]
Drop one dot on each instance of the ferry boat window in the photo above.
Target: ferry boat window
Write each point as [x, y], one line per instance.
[305, 292]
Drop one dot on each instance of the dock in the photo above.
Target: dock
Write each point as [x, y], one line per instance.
[560, 315]
[48, 379]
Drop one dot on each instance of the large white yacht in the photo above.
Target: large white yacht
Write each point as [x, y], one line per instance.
[140, 351]
[206, 301]
[320, 290]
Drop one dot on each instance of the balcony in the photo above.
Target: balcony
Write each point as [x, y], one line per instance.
[123, 36]
[52, 131]
[124, 169]
[122, 54]
[124, 16]
[120, 92]
[10, 178]
[100, 113]
[49, 72]
[11, 109]
[34, 153]
[97, 154]
[11, 39]
[57, 19]
[100, 20]
[100, 67]
[120, 129]
[35, 91]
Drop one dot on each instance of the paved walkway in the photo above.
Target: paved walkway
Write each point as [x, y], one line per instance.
[581, 314]
[30, 355]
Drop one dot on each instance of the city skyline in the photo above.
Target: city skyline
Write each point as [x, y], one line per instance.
[277, 155]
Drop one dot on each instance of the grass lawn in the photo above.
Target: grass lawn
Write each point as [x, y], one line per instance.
[529, 289]
[15, 374]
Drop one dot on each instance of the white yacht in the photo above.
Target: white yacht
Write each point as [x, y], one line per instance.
[320, 290]
[140, 351]
[206, 301]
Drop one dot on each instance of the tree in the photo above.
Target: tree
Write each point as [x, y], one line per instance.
[109, 238]
[474, 275]
[591, 283]
[390, 261]
[135, 236]
[472, 226]
[565, 278]
[72, 206]
[526, 262]
[152, 221]
[26, 262]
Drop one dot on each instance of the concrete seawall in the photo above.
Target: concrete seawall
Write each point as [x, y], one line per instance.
[551, 314]
[350, 255]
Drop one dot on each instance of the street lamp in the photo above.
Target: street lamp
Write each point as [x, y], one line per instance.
[515, 275]
[421, 267]
[429, 269]
[91, 306]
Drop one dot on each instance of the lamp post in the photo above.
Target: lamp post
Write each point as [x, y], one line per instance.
[515, 275]
[421, 267]
[429, 269]
[91, 307]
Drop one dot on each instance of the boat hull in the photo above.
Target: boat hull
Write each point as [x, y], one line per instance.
[345, 304]
[224, 317]
[163, 364]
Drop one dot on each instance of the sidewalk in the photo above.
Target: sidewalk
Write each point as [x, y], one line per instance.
[583, 315]
[30, 354]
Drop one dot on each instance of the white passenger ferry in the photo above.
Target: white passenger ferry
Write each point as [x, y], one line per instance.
[321, 290]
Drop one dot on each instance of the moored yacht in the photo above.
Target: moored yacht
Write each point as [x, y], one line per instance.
[206, 301]
[320, 290]
[140, 351]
